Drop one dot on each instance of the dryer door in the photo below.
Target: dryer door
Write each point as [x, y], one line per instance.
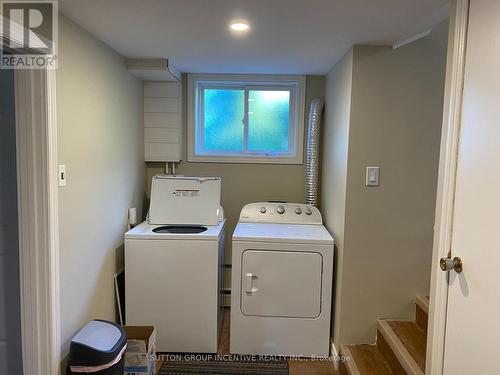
[281, 284]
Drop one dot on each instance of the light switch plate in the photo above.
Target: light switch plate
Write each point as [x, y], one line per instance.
[62, 174]
[372, 176]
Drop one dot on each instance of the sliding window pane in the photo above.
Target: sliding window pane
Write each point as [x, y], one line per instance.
[268, 120]
[223, 112]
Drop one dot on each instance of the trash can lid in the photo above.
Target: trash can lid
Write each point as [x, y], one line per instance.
[99, 335]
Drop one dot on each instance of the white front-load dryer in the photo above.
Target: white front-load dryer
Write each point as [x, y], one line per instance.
[282, 271]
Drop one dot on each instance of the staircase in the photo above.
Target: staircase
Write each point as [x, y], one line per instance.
[400, 347]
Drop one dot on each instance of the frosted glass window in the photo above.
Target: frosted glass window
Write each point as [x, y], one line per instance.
[238, 118]
[268, 120]
[223, 125]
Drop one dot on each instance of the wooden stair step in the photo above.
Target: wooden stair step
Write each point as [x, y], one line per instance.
[364, 360]
[403, 344]
[422, 311]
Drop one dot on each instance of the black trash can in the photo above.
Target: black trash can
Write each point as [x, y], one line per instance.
[98, 348]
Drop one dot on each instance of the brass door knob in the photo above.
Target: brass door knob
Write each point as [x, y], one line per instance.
[448, 264]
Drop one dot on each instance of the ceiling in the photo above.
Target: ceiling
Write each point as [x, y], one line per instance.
[286, 36]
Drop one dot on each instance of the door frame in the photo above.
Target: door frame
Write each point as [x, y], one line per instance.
[36, 148]
[450, 138]
[37, 198]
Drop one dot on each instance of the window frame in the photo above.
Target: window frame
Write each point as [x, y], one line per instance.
[293, 83]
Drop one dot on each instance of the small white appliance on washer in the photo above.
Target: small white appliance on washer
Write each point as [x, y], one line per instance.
[282, 270]
[173, 265]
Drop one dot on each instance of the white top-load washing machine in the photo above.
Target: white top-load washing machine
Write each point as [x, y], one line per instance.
[282, 270]
[173, 265]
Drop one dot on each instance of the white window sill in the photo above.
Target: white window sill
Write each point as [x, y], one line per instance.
[246, 159]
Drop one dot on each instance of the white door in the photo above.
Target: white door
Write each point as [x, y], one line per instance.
[281, 284]
[472, 328]
[10, 324]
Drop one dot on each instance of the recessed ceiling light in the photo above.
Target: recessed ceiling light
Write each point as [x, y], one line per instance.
[239, 26]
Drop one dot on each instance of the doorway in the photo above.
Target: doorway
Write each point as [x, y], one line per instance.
[10, 308]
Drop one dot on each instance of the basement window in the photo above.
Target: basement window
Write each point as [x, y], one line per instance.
[246, 118]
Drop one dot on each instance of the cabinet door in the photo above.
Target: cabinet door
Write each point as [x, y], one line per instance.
[281, 284]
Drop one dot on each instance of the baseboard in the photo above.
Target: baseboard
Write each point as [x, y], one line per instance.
[335, 355]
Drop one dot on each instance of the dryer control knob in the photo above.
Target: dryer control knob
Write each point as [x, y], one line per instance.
[280, 210]
[308, 211]
[298, 210]
[263, 210]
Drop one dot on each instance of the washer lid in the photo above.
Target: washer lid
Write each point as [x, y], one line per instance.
[185, 200]
[145, 231]
[292, 233]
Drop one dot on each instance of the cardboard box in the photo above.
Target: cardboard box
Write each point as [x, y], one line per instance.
[141, 350]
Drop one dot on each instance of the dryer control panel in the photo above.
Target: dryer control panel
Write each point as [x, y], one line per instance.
[280, 213]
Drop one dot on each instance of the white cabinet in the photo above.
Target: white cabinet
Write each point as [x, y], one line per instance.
[162, 121]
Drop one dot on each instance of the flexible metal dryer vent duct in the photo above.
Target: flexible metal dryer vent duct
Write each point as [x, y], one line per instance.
[312, 155]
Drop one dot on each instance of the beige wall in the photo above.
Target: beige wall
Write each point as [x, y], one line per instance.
[395, 123]
[100, 139]
[245, 183]
[334, 161]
